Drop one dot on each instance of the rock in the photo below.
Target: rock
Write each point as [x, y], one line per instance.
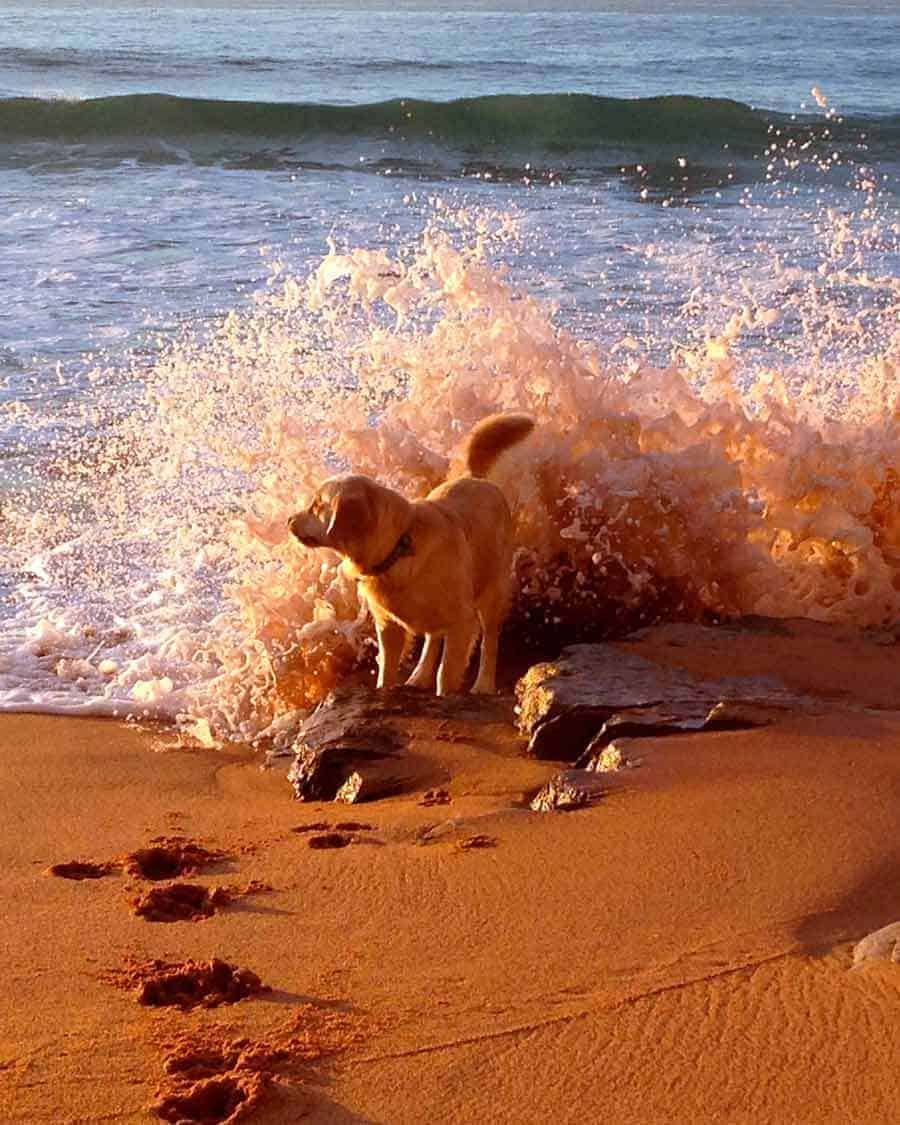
[610, 759]
[564, 704]
[570, 789]
[882, 945]
[565, 737]
[369, 783]
[738, 714]
[345, 733]
[573, 707]
[642, 723]
[727, 714]
[353, 747]
[320, 774]
[382, 713]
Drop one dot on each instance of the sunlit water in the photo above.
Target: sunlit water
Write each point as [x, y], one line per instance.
[307, 260]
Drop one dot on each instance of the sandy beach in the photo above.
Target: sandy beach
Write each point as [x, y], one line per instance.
[679, 952]
[270, 274]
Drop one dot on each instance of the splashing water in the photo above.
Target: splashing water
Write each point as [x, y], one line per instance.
[756, 469]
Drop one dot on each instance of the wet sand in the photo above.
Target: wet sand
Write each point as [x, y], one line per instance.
[678, 953]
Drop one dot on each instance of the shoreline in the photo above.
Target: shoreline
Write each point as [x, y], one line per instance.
[677, 952]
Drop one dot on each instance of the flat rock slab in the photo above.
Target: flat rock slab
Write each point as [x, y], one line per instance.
[354, 747]
[571, 708]
[344, 740]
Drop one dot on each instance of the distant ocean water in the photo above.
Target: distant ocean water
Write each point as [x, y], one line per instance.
[205, 210]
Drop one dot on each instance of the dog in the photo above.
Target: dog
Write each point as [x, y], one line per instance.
[438, 567]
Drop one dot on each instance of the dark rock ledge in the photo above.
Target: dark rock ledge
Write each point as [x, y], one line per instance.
[573, 708]
[354, 746]
[357, 746]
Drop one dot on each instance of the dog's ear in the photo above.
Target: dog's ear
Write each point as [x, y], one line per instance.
[351, 518]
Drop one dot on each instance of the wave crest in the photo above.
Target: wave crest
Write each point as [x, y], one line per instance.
[549, 123]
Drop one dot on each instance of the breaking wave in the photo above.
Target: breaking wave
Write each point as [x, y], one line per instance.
[745, 461]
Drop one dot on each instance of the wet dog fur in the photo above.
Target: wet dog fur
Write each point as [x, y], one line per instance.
[438, 567]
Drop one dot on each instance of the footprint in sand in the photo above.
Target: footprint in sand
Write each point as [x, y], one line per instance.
[81, 869]
[163, 858]
[479, 840]
[217, 1080]
[214, 1101]
[190, 902]
[167, 858]
[178, 902]
[340, 836]
[330, 840]
[187, 984]
[341, 826]
[435, 797]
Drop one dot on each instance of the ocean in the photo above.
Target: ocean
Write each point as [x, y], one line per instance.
[245, 247]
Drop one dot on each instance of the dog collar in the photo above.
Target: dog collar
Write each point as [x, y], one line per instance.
[403, 547]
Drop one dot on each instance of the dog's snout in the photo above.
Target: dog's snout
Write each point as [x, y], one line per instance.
[306, 529]
[297, 527]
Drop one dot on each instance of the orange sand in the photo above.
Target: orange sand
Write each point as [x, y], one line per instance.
[678, 953]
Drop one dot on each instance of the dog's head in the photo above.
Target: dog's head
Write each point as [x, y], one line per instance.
[341, 513]
[353, 515]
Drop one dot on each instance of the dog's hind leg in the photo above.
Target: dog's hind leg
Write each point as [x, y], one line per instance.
[390, 649]
[457, 650]
[491, 612]
[425, 672]
[486, 680]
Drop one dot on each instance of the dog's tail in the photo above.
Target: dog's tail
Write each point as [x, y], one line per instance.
[491, 437]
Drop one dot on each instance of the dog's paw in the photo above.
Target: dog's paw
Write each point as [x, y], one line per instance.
[421, 683]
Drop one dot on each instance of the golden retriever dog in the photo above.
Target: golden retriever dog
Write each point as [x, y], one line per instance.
[438, 567]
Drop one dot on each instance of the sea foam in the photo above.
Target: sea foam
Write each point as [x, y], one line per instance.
[153, 574]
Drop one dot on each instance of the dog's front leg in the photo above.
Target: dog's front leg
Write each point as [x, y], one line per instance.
[390, 649]
[424, 673]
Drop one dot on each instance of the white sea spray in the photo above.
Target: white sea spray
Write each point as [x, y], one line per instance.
[155, 574]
